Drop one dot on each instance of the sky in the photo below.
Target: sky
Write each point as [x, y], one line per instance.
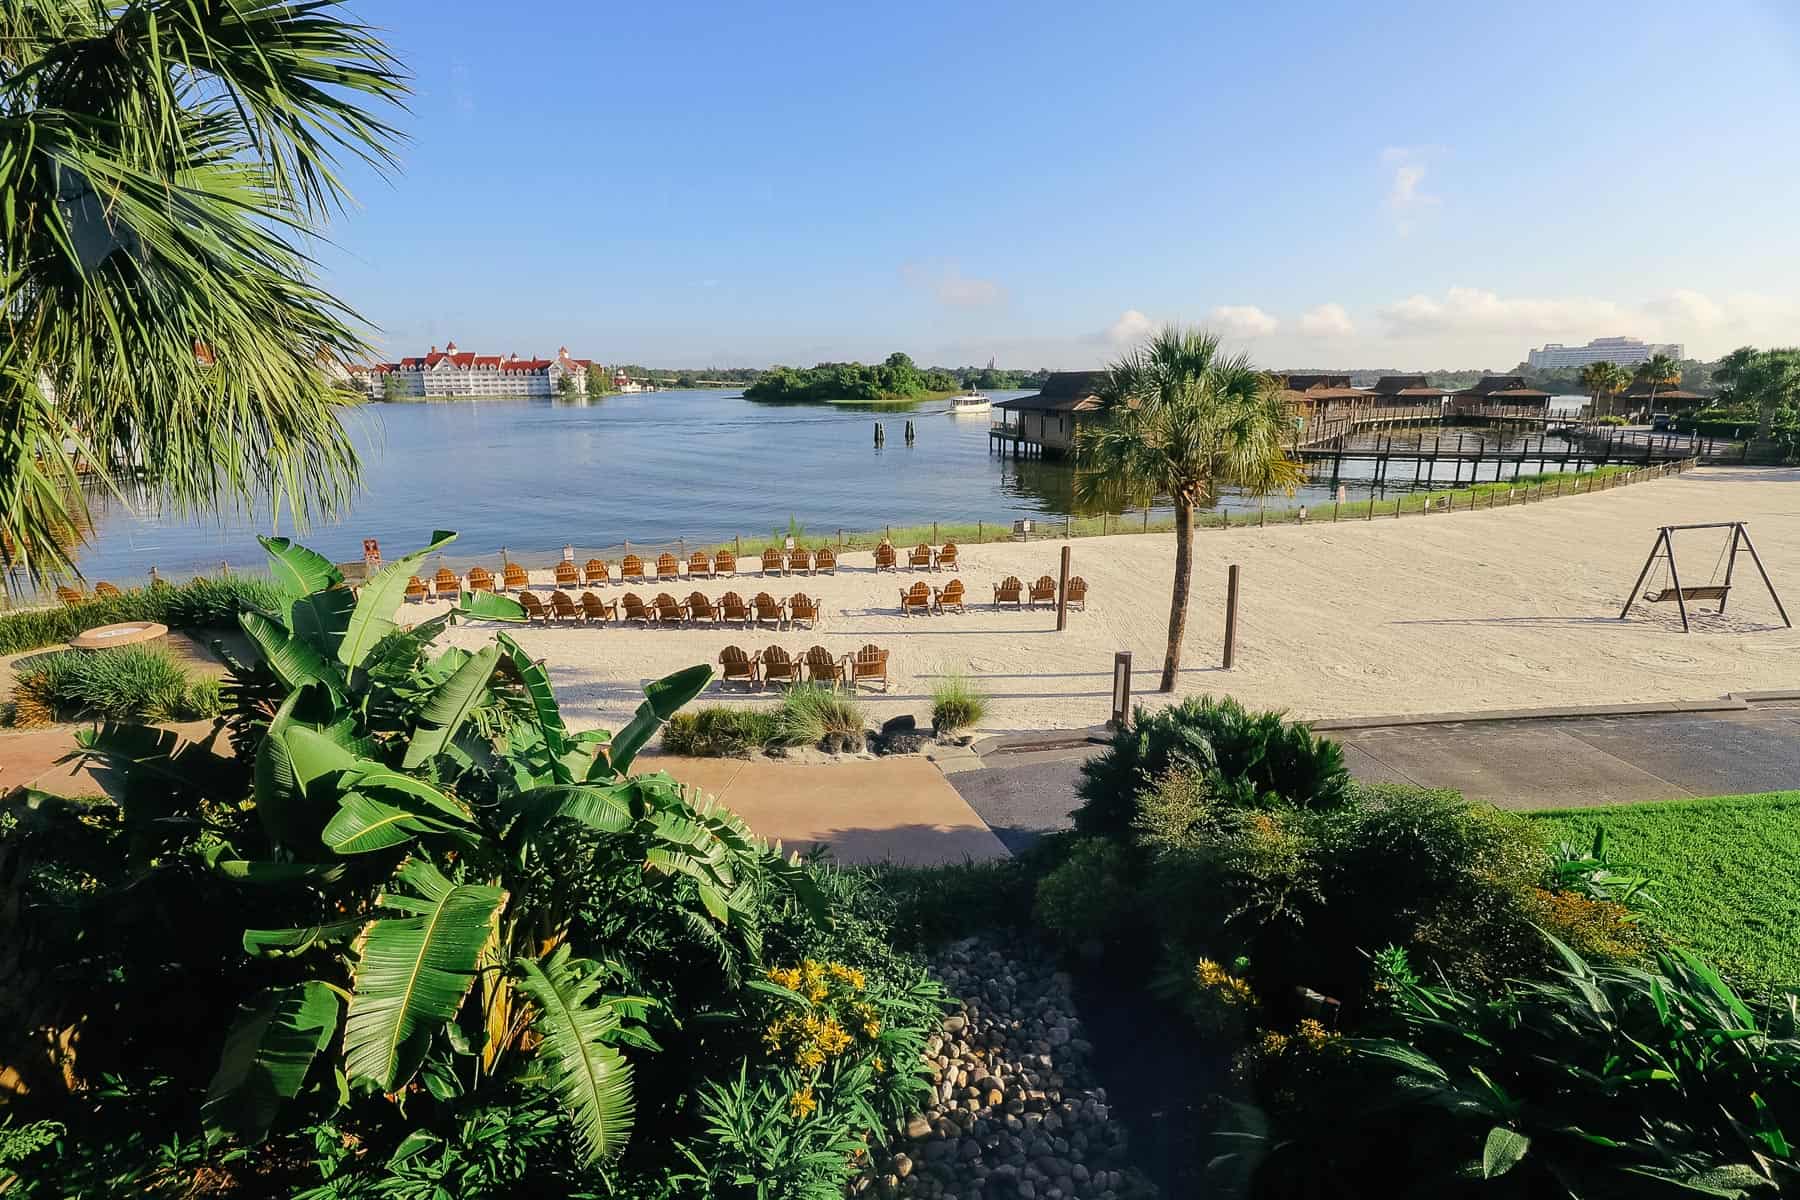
[1387, 184]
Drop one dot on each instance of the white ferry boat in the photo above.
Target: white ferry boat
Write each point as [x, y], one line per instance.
[970, 402]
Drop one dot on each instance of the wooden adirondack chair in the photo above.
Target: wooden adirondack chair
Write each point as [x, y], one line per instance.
[512, 575]
[1077, 592]
[416, 591]
[631, 569]
[733, 610]
[699, 565]
[1008, 591]
[563, 606]
[769, 610]
[701, 609]
[71, 596]
[106, 591]
[777, 667]
[950, 596]
[885, 559]
[822, 668]
[636, 610]
[916, 598]
[724, 563]
[597, 572]
[799, 560]
[946, 558]
[735, 664]
[802, 607]
[568, 575]
[1043, 591]
[920, 558]
[869, 663]
[598, 611]
[825, 561]
[481, 579]
[669, 610]
[667, 567]
[445, 582]
[772, 561]
[534, 609]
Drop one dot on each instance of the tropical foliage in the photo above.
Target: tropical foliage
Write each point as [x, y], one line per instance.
[426, 925]
[1603, 381]
[162, 162]
[895, 379]
[1183, 420]
[1766, 383]
[122, 684]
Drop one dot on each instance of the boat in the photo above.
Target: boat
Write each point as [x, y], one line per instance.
[970, 402]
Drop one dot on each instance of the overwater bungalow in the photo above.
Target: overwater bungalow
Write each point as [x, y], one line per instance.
[1407, 391]
[1319, 400]
[1045, 423]
[1664, 398]
[1506, 395]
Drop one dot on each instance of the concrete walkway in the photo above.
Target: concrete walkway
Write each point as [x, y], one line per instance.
[1520, 763]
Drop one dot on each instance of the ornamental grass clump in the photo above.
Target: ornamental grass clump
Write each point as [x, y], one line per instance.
[721, 731]
[956, 703]
[121, 684]
[812, 715]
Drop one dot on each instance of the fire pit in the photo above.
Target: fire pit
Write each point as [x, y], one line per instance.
[125, 633]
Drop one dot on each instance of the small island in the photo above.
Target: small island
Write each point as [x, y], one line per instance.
[895, 382]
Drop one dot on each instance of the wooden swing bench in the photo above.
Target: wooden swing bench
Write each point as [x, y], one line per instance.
[1709, 591]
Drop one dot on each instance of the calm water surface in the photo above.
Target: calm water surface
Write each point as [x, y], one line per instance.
[651, 468]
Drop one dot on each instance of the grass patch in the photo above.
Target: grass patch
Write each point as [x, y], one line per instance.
[812, 713]
[197, 604]
[128, 683]
[721, 731]
[956, 703]
[1726, 870]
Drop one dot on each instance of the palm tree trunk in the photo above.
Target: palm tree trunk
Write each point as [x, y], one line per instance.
[1178, 597]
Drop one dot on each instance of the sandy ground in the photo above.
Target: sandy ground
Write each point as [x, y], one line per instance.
[1460, 611]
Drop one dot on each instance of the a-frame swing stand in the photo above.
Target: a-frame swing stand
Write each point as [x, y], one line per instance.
[1664, 548]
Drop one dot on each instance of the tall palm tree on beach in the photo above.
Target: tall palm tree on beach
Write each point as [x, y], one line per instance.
[164, 163]
[1603, 381]
[1660, 371]
[1182, 421]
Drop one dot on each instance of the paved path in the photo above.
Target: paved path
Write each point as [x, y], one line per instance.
[1523, 764]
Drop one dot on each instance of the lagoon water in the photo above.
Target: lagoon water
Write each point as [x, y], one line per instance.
[652, 468]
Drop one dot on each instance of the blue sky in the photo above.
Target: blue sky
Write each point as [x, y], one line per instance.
[1385, 184]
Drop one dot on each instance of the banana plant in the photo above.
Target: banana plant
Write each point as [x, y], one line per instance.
[412, 799]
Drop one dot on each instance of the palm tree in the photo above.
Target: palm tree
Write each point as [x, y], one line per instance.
[1660, 371]
[163, 162]
[1603, 380]
[1182, 421]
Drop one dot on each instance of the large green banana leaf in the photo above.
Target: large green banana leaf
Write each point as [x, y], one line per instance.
[320, 619]
[449, 707]
[297, 570]
[543, 699]
[288, 816]
[486, 606]
[267, 1055]
[288, 943]
[413, 972]
[662, 700]
[295, 662]
[603, 807]
[591, 1078]
[363, 824]
[373, 618]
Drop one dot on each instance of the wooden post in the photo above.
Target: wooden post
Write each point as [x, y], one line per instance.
[1231, 599]
[934, 538]
[1062, 592]
[1121, 689]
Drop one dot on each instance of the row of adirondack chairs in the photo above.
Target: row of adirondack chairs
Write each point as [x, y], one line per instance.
[775, 665]
[920, 558]
[666, 610]
[923, 598]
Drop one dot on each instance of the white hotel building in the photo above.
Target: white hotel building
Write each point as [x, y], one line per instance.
[451, 373]
[1622, 351]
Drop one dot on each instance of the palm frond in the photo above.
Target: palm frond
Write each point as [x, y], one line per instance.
[590, 1077]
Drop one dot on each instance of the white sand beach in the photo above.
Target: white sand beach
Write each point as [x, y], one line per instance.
[1459, 611]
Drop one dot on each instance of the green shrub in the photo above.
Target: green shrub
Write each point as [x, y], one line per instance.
[1257, 759]
[812, 713]
[1610, 420]
[956, 703]
[202, 699]
[121, 684]
[1092, 896]
[933, 904]
[721, 730]
[204, 603]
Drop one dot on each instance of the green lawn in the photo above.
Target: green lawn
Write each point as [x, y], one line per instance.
[1726, 870]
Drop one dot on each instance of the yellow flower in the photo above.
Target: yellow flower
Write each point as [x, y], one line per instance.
[832, 1038]
[801, 1103]
[872, 1028]
[787, 977]
[880, 1067]
[849, 975]
[809, 1057]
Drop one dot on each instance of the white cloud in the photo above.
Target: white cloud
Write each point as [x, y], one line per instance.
[1407, 197]
[1326, 321]
[1132, 326]
[1241, 320]
[1474, 311]
[951, 287]
[1688, 308]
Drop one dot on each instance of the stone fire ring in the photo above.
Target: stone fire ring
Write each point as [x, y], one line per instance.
[125, 633]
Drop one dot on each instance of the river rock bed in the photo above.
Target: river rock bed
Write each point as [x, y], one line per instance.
[1015, 1112]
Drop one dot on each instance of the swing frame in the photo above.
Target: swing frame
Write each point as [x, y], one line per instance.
[1664, 547]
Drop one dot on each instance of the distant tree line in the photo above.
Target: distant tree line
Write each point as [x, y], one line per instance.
[895, 378]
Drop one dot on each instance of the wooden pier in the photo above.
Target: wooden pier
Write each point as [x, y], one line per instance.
[1576, 449]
